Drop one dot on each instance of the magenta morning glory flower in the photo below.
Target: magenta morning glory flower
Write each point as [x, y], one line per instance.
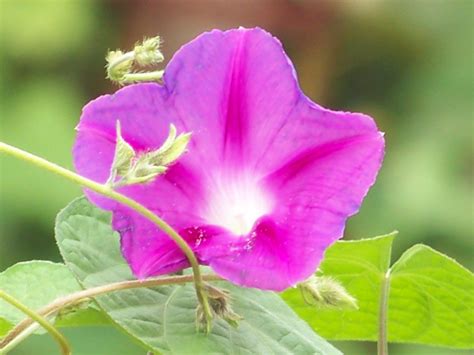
[269, 178]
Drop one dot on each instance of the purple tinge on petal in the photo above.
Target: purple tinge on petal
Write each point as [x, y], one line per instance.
[149, 253]
[270, 177]
[316, 191]
[234, 89]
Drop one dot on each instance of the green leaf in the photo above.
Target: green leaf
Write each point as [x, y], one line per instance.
[5, 327]
[163, 319]
[37, 283]
[441, 292]
[91, 315]
[430, 299]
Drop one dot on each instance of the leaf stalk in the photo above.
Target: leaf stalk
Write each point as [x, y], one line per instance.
[382, 344]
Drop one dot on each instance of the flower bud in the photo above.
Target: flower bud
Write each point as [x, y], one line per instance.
[220, 303]
[123, 156]
[120, 66]
[124, 153]
[133, 168]
[171, 149]
[148, 52]
[177, 149]
[325, 292]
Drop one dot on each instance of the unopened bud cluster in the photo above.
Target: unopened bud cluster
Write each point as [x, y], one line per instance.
[220, 303]
[120, 65]
[148, 52]
[130, 167]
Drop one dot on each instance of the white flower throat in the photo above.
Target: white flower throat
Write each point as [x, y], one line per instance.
[236, 204]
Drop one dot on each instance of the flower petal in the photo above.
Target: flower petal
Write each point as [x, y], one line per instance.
[235, 89]
[333, 159]
[147, 250]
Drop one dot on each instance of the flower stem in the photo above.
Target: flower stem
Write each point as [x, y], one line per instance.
[131, 78]
[109, 192]
[63, 344]
[382, 344]
[77, 297]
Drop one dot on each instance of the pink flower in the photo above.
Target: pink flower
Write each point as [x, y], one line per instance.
[269, 179]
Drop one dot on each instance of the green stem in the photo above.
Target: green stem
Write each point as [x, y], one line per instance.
[63, 344]
[382, 344]
[131, 78]
[109, 192]
[77, 297]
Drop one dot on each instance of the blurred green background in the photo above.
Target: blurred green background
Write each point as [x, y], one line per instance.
[407, 63]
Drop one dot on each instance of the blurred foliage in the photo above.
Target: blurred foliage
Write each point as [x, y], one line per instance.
[425, 187]
[407, 63]
[46, 31]
[45, 50]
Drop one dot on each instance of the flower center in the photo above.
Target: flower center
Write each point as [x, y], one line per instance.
[237, 204]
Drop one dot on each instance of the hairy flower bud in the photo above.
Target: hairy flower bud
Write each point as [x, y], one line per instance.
[120, 65]
[176, 149]
[148, 52]
[124, 154]
[325, 292]
[133, 168]
[220, 302]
